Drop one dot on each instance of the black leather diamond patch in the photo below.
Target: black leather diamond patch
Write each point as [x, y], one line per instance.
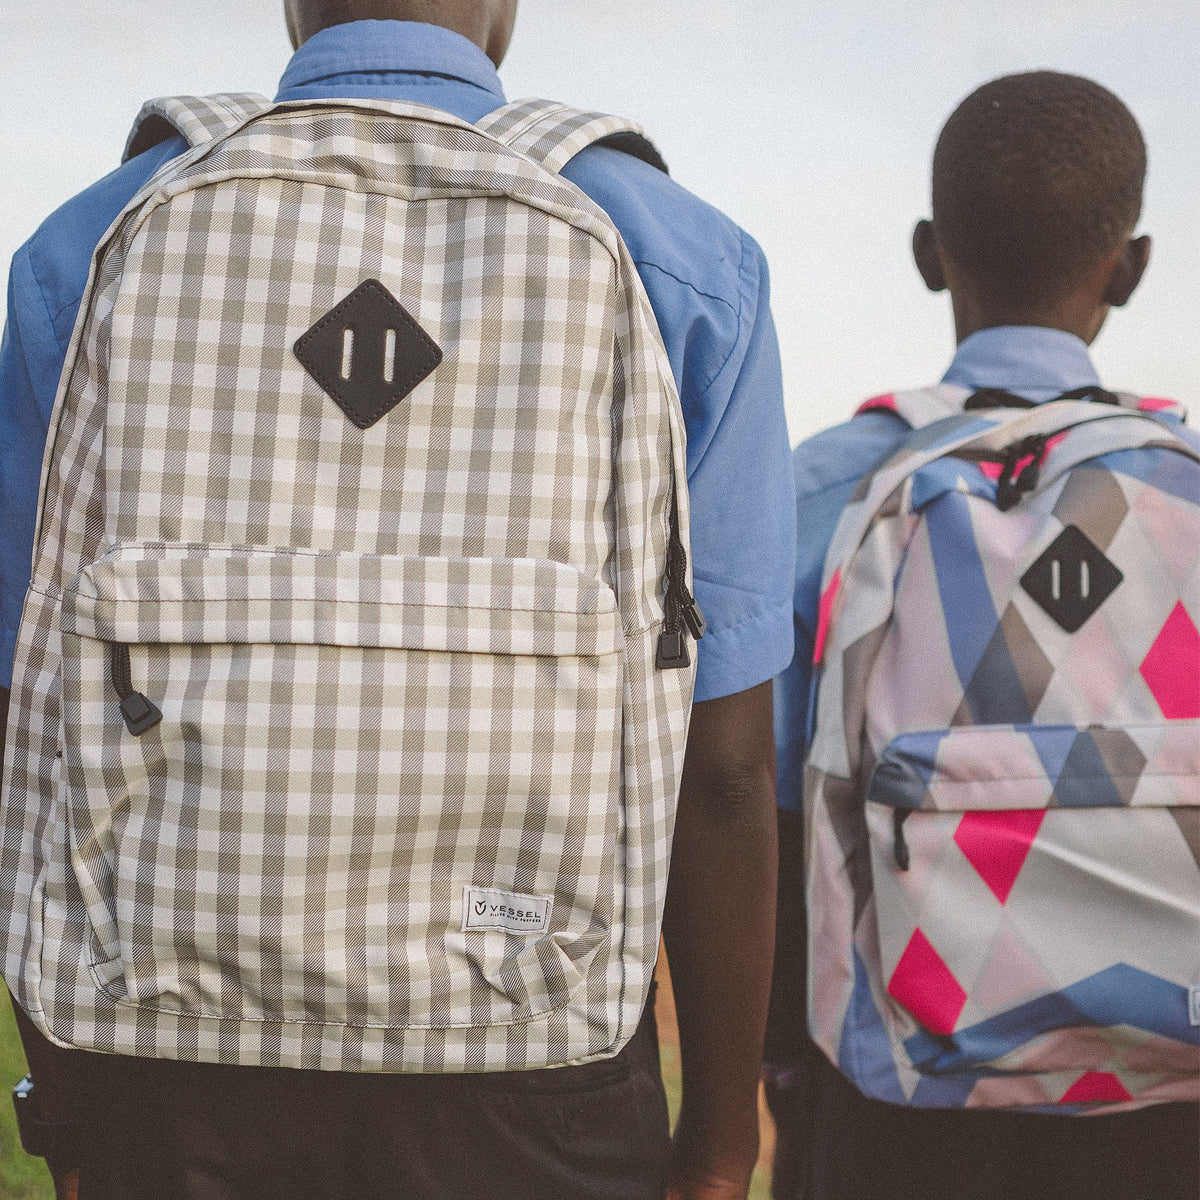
[1071, 578]
[368, 353]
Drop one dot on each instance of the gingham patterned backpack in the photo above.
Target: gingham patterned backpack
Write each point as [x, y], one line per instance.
[1003, 791]
[352, 685]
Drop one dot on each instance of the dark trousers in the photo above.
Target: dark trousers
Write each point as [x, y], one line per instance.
[835, 1144]
[185, 1131]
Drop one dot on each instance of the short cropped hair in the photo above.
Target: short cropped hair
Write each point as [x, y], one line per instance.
[1036, 178]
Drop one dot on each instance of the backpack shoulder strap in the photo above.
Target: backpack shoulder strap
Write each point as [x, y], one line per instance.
[990, 430]
[552, 134]
[921, 406]
[197, 119]
[1158, 405]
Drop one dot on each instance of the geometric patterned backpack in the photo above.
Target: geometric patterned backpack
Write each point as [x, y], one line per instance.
[1002, 799]
[352, 684]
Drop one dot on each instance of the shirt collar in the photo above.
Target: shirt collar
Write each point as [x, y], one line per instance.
[370, 47]
[1027, 360]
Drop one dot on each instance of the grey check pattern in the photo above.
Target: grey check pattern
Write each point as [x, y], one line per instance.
[392, 663]
[197, 119]
[550, 133]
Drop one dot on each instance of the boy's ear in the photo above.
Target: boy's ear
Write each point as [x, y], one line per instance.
[928, 256]
[1128, 271]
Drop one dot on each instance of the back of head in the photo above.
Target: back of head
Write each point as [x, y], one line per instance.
[1037, 178]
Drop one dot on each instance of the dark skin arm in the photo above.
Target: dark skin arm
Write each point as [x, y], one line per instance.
[719, 930]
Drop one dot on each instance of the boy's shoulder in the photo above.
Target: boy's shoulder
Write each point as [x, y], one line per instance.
[668, 227]
[59, 253]
[844, 453]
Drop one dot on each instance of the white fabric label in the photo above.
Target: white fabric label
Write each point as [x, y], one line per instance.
[1194, 1003]
[509, 912]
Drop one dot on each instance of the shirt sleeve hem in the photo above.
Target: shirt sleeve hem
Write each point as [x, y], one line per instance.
[741, 657]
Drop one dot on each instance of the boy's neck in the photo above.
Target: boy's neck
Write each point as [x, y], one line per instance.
[1080, 310]
[1077, 315]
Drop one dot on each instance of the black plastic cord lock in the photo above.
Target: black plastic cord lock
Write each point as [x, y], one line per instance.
[672, 653]
[140, 713]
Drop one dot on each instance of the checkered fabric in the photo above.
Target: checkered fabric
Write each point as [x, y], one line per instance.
[395, 665]
[1003, 792]
[553, 134]
[197, 119]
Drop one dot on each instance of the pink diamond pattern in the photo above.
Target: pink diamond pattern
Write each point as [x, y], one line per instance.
[926, 987]
[997, 843]
[1172, 668]
[1094, 1086]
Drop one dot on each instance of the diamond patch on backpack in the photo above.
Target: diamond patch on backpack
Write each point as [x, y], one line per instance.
[1071, 579]
[368, 353]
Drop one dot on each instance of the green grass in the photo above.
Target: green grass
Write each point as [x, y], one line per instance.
[760, 1186]
[21, 1177]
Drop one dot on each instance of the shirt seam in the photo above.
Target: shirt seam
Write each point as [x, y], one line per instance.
[41, 291]
[743, 282]
[719, 687]
[355, 79]
[644, 262]
[767, 612]
[716, 581]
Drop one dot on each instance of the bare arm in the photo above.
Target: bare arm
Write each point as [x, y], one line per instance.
[719, 929]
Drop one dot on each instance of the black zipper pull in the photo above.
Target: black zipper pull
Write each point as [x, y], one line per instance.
[680, 609]
[140, 713]
[672, 653]
[693, 615]
[899, 845]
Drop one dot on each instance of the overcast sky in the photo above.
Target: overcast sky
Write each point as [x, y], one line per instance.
[812, 124]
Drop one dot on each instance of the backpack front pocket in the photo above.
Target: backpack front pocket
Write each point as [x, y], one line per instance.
[1038, 901]
[353, 753]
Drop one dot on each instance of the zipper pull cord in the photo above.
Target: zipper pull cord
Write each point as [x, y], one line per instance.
[140, 713]
[679, 607]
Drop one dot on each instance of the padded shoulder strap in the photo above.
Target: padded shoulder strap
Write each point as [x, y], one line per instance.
[919, 407]
[197, 119]
[926, 405]
[991, 430]
[1152, 404]
[552, 134]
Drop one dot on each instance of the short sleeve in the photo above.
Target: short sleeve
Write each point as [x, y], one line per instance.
[28, 380]
[743, 500]
[827, 469]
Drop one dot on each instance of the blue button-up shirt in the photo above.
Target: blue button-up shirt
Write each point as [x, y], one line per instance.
[1038, 364]
[706, 280]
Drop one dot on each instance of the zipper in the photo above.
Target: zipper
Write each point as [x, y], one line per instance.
[681, 614]
[899, 844]
[140, 713]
